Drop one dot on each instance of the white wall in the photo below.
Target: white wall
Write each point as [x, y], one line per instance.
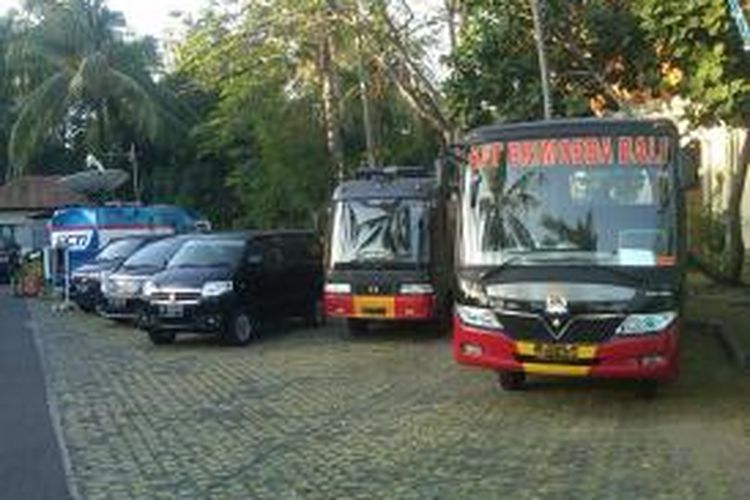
[29, 234]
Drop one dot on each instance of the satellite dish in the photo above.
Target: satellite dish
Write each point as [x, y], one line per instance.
[97, 180]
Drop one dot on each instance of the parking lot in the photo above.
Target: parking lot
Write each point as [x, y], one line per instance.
[311, 413]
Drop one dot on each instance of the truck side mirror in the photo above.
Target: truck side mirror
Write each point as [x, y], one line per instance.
[690, 160]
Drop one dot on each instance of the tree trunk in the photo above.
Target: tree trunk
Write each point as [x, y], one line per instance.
[364, 90]
[735, 244]
[536, 10]
[331, 102]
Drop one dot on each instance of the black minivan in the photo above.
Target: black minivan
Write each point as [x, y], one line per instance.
[229, 283]
[122, 290]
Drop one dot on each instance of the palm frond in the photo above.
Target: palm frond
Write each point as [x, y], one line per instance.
[40, 112]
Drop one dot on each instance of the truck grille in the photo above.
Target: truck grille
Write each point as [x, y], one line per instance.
[584, 329]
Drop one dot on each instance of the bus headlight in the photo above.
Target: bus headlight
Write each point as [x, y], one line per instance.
[338, 288]
[639, 324]
[481, 317]
[416, 289]
[216, 288]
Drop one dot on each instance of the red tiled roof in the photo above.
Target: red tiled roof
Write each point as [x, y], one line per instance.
[36, 193]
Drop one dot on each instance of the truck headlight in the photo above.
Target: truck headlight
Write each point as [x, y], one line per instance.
[481, 317]
[338, 288]
[216, 288]
[416, 289]
[639, 324]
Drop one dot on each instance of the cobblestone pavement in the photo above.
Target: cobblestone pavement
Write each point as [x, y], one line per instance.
[312, 414]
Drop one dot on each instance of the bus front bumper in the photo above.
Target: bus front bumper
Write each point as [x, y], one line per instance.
[381, 307]
[647, 357]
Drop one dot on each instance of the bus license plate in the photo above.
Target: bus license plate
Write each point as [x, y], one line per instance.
[556, 352]
[172, 311]
[374, 307]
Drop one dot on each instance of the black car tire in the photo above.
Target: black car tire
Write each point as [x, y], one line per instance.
[511, 381]
[356, 326]
[240, 329]
[86, 307]
[161, 337]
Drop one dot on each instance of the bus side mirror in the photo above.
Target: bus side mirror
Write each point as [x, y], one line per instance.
[690, 159]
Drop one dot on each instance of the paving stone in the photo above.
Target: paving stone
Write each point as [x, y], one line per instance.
[311, 414]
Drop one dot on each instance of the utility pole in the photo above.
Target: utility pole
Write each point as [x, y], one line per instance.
[537, 11]
[364, 90]
[136, 173]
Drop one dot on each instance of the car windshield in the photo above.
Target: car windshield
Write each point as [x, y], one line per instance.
[596, 212]
[119, 249]
[209, 253]
[380, 232]
[156, 254]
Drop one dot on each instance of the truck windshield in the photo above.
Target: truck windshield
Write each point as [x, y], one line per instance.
[380, 232]
[571, 214]
[209, 253]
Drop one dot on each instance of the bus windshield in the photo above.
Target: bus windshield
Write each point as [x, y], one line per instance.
[381, 232]
[594, 213]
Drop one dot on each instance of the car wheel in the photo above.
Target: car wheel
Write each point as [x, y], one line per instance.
[161, 337]
[512, 381]
[356, 326]
[240, 329]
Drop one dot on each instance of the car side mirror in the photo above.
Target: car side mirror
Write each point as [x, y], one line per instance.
[690, 160]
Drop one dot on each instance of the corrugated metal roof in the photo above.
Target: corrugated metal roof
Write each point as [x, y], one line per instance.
[36, 193]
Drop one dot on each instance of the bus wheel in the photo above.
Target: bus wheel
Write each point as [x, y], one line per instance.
[512, 381]
[356, 326]
[648, 389]
[161, 337]
[240, 329]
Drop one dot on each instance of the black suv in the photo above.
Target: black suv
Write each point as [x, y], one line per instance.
[122, 289]
[85, 281]
[229, 283]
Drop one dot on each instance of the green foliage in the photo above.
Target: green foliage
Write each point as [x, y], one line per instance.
[85, 86]
[264, 134]
[698, 37]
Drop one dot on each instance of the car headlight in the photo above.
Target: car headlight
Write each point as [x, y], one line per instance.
[216, 288]
[340, 288]
[638, 324]
[481, 317]
[416, 289]
[149, 288]
[106, 285]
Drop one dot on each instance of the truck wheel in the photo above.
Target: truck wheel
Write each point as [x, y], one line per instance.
[356, 326]
[512, 381]
[161, 337]
[240, 329]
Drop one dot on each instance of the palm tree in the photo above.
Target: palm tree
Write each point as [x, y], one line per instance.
[92, 79]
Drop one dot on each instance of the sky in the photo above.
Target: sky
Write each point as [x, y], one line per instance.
[152, 17]
[145, 17]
